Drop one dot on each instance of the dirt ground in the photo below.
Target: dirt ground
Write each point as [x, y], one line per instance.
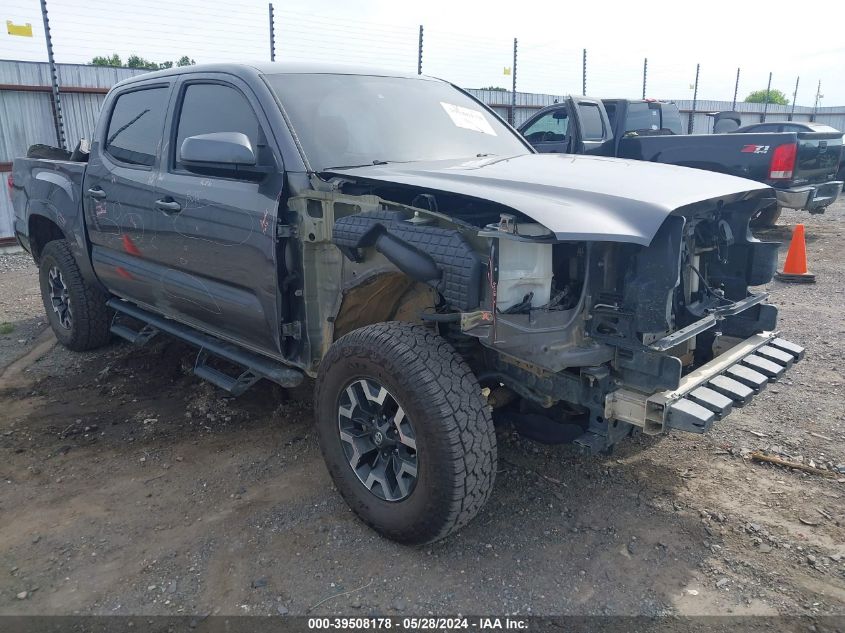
[130, 487]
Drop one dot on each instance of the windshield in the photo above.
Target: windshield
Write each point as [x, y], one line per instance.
[350, 120]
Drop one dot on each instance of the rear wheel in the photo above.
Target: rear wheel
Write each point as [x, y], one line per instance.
[76, 310]
[406, 434]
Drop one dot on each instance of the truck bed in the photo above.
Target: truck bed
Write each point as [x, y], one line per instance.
[50, 189]
[746, 155]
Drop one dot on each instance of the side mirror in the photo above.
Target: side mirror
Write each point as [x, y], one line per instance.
[218, 149]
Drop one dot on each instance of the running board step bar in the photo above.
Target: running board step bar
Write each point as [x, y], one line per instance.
[136, 337]
[709, 393]
[254, 365]
[235, 385]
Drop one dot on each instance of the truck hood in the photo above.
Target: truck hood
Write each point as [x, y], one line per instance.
[576, 197]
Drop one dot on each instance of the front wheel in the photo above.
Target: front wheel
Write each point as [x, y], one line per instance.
[406, 434]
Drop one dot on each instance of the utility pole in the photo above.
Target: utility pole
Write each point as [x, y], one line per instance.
[766, 102]
[513, 91]
[272, 34]
[691, 123]
[419, 52]
[645, 74]
[736, 90]
[54, 80]
[794, 97]
[584, 73]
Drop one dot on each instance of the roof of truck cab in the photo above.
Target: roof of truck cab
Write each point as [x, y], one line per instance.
[277, 68]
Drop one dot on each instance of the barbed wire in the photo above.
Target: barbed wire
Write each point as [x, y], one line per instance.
[160, 30]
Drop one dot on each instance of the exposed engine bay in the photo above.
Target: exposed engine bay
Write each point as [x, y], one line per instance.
[596, 331]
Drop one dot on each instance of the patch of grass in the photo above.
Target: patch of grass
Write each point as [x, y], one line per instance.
[6, 328]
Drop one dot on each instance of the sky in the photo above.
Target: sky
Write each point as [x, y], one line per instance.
[470, 42]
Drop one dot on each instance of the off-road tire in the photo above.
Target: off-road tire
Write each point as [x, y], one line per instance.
[91, 319]
[456, 441]
[767, 217]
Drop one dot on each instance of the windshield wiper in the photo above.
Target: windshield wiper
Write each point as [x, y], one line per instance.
[375, 162]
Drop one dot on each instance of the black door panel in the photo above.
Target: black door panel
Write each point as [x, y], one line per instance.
[119, 190]
[216, 243]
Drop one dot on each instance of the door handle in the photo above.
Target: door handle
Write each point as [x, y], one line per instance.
[96, 192]
[168, 206]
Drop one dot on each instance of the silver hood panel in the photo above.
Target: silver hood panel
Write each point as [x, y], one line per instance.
[576, 197]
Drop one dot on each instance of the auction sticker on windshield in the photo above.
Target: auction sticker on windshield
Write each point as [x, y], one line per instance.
[468, 118]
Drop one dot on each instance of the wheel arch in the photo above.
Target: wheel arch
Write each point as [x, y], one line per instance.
[42, 229]
[385, 296]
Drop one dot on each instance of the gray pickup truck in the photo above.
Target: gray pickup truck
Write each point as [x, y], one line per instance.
[392, 238]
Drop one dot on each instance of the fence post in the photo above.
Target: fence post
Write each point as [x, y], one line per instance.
[419, 52]
[645, 74]
[766, 102]
[736, 90]
[54, 80]
[794, 97]
[513, 92]
[816, 104]
[272, 33]
[691, 122]
[584, 73]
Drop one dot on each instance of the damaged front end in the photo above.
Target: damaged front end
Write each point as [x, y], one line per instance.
[613, 337]
[640, 338]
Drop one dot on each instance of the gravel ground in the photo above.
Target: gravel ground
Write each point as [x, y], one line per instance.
[129, 487]
[21, 311]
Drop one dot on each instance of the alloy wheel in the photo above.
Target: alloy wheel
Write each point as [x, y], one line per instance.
[378, 439]
[60, 297]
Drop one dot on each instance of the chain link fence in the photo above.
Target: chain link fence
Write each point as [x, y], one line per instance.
[88, 47]
[159, 33]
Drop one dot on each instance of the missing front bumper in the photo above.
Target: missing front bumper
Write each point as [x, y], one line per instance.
[710, 392]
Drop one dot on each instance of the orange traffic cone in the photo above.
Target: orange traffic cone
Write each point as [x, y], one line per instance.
[795, 266]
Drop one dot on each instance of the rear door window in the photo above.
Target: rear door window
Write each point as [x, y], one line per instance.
[135, 127]
[213, 107]
[591, 122]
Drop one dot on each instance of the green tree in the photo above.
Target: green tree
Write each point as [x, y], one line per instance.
[136, 61]
[113, 60]
[775, 96]
[496, 88]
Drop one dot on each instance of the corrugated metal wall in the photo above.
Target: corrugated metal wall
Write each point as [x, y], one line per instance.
[752, 113]
[26, 118]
